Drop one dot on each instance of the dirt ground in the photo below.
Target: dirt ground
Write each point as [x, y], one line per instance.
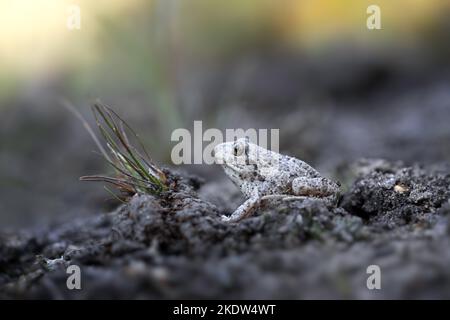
[392, 215]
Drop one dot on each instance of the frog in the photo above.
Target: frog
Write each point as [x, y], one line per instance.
[262, 174]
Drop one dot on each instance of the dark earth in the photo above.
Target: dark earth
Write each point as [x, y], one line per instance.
[377, 123]
[394, 216]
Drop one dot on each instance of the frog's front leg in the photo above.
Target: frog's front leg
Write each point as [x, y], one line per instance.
[244, 210]
[315, 187]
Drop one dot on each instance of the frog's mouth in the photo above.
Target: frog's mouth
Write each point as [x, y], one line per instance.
[230, 164]
[232, 167]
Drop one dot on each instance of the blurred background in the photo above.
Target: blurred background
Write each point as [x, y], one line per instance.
[336, 90]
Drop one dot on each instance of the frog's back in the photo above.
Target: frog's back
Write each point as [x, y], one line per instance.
[297, 167]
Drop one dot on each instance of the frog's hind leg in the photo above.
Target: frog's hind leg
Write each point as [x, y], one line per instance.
[244, 210]
[313, 187]
[283, 197]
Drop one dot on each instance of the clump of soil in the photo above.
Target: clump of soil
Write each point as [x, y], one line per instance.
[176, 246]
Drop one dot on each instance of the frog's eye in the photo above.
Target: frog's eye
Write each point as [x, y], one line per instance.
[238, 149]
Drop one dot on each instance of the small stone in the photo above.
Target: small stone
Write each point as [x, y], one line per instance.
[400, 188]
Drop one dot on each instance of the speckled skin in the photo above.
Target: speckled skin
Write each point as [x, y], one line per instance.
[263, 174]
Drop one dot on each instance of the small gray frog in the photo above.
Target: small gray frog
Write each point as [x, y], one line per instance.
[262, 174]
